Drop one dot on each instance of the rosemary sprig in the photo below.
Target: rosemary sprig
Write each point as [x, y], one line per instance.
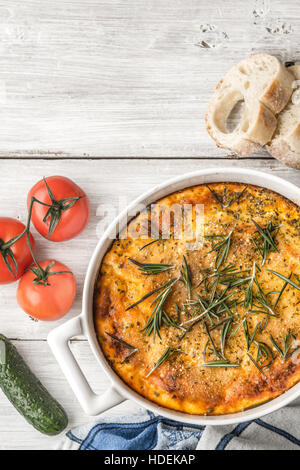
[223, 363]
[236, 197]
[226, 307]
[227, 275]
[177, 313]
[259, 300]
[187, 330]
[222, 201]
[246, 333]
[215, 195]
[221, 248]
[224, 334]
[166, 355]
[250, 339]
[264, 350]
[220, 323]
[209, 309]
[151, 269]
[235, 281]
[241, 193]
[263, 312]
[121, 341]
[237, 328]
[285, 352]
[249, 295]
[286, 279]
[256, 328]
[213, 291]
[264, 306]
[186, 276]
[168, 283]
[281, 291]
[159, 239]
[263, 302]
[158, 315]
[216, 351]
[265, 242]
[194, 321]
[170, 322]
[159, 235]
[204, 350]
[256, 364]
[265, 324]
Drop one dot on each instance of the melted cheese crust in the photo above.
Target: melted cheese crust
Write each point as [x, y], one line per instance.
[181, 383]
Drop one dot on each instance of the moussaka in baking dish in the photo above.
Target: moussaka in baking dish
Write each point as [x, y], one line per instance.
[197, 308]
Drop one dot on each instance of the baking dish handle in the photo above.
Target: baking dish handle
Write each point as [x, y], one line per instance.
[91, 403]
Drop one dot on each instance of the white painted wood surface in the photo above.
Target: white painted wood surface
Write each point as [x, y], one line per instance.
[126, 77]
[122, 86]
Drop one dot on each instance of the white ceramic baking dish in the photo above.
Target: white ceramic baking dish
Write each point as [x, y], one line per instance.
[118, 391]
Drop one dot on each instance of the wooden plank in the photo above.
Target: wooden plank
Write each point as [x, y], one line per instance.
[15, 433]
[109, 184]
[131, 78]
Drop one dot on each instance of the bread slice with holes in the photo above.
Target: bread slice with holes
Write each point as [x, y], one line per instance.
[264, 85]
[285, 145]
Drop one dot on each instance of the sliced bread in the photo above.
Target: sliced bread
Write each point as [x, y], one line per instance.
[285, 145]
[265, 86]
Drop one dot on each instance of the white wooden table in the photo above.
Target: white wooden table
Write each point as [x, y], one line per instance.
[112, 94]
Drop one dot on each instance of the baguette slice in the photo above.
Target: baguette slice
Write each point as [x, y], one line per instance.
[285, 145]
[265, 86]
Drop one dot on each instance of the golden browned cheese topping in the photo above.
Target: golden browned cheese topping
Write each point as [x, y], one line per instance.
[220, 333]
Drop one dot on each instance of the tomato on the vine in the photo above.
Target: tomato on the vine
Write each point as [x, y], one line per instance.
[63, 211]
[47, 290]
[15, 255]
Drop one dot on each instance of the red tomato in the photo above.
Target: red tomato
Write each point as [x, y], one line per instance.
[66, 221]
[51, 301]
[10, 228]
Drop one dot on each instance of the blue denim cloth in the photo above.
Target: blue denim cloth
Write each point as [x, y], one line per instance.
[144, 431]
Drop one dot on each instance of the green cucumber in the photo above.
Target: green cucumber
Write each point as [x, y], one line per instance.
[27, 394]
